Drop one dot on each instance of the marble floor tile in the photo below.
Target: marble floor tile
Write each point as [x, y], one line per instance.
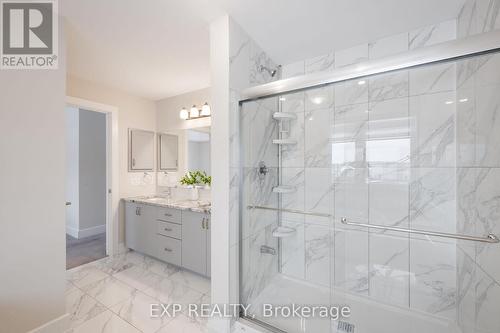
[109, 291]
[85, 275]
[138, 277]
[117, 263]
[70, 287]
[106, 322]
[81, 307]
[136, 311]
[193, 281]
[170, 292]
[183, 324]
[114, 295]
[161, 268]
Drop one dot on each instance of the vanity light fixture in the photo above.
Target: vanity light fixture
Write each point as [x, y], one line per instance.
[195, 113]
[184, 114]
[205, 110]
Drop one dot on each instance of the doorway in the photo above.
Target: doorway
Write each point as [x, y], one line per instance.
[85, 186]
[91, 156]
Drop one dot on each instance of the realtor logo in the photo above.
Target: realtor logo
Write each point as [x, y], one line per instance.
[29, 34]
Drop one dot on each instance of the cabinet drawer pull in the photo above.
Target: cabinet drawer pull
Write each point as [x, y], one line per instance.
[168, 214]
[168, 250]
[168, 229]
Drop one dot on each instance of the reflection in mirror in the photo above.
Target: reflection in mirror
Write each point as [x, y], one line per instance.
[199, 149]
[141, 150]
[168, 148]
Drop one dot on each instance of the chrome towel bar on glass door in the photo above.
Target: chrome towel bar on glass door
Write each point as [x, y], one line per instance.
[488, 239]
[289, 211]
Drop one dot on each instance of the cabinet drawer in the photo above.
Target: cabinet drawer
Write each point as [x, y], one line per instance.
[169, 249]
[169, 215]
[169, 229]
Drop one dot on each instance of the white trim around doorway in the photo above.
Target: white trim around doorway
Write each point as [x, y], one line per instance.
[112, 167]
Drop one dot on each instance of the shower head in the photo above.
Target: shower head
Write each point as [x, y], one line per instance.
[270, 71]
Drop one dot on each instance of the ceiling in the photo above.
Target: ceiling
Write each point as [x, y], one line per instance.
[292, 30]
[151, 48]
[160, 48]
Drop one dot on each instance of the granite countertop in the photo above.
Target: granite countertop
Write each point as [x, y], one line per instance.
[192, 205]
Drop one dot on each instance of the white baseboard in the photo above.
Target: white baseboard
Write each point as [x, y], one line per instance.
[100, 229]
[73, 232]
[58, 325]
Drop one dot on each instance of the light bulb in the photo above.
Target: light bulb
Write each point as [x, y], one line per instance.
[205, 110]
[184, 114]
[194, 113]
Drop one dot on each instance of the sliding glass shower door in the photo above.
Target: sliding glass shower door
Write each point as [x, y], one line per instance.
[380, 194]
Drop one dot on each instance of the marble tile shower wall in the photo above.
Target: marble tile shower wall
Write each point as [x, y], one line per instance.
[415, 149]
[478, 175]
[246, 58]
[412, 149]
[378, 150]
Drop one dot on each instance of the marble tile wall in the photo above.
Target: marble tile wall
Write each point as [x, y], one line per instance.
[478, 16]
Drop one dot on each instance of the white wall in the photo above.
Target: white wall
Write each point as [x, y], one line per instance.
[32, 197]
[72, 165]
[92, 173]
[219, 67]
[133, 112]
[168, 121]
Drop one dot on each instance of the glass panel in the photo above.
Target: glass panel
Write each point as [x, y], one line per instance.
[413, 149]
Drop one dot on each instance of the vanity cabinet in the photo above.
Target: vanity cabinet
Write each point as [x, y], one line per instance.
[179, 237]
[196, 242]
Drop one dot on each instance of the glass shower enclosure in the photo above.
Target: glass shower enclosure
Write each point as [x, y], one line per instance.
[379, 193]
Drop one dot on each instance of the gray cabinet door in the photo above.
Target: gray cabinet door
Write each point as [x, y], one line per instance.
[133, 231]
[194, 242]
[140, 228]
[148, 220]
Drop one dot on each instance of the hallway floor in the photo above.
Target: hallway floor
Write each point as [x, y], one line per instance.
[84, 250]
[114, 294]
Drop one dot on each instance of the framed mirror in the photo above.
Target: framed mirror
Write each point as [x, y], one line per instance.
[168, 150]
[141, 150]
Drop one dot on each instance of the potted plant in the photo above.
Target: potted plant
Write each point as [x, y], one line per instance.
[196, 179]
